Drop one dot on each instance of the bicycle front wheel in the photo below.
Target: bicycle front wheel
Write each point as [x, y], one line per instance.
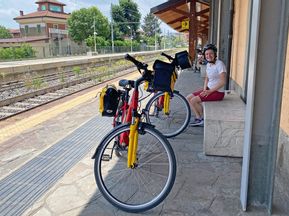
[148, 183]
[174, 123]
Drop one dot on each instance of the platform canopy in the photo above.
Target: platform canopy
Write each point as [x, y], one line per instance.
[186, 16]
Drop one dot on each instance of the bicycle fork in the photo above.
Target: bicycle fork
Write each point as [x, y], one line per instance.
[167, 103]
[133, 144]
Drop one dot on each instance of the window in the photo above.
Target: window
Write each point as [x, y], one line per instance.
[55, 8]
[26, 29]
[43, 7]
[38, 28]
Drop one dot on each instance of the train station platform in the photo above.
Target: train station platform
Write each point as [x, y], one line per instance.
[46, 167]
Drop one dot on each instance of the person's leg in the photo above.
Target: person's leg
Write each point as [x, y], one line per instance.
[189, 98]
[191, 101]
[196, 106]
[215, 96]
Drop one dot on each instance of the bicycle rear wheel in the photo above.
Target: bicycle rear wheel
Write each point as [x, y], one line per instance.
[176, 121]
[143, 187]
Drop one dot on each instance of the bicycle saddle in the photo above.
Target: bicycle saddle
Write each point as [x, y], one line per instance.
[125, 83]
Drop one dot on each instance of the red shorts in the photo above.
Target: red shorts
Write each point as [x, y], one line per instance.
[214, 96]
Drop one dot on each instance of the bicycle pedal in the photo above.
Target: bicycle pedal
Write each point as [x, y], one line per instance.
[105, 157]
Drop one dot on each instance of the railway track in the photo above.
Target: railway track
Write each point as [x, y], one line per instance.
[16, 97]
[24, 102]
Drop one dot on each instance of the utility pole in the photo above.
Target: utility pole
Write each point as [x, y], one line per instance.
[155, 41]
[94, 35]
[130, 38]
[111, 23]
[155, 27]
[164, 39]
[59, 43]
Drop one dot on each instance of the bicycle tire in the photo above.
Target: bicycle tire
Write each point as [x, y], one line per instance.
[178, 119]
[141, 188]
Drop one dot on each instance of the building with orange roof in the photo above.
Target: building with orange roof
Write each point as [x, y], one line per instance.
[45, 30]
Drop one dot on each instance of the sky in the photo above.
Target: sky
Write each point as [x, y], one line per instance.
[9, 9]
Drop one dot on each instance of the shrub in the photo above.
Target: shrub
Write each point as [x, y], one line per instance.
[22, 52]
[76, 70]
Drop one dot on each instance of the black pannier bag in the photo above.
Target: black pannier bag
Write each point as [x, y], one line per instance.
[109, 99]
[162, 76]
[183, 59]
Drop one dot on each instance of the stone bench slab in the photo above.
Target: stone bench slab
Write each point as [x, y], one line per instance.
[224, 126]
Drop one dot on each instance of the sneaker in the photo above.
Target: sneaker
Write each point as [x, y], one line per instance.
[197, 122]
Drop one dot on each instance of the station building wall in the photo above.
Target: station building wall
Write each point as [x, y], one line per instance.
[283, 145]
[239, 42]
[238, 76]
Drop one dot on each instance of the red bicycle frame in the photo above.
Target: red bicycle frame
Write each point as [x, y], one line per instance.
[130, 109]
[129, 112]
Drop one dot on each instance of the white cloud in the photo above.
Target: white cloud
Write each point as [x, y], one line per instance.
[8, 12]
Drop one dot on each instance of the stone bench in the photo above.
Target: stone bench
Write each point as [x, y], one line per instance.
[224, 126]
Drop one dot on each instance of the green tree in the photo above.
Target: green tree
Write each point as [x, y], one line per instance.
[100, 41]
[4, 33]
[125, 16]
[151, 25]
[81, 24]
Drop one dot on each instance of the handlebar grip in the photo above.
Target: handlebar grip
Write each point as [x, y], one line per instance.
[130, 58]
[168, 56]
[137, 63]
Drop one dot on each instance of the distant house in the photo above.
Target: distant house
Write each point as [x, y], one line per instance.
[15, 33]
[45, 30]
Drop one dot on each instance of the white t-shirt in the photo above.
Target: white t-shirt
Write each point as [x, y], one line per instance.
[213, 73]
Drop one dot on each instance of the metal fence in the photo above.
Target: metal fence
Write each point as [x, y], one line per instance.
[70, 48]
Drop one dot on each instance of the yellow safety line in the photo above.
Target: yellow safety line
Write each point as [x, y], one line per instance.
[24, 124]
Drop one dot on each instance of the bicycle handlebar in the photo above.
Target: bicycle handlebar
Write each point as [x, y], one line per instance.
[171, 59]
[138, 64]
[146, 74]
[167, 56]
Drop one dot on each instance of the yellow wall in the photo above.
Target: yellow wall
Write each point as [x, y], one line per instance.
[285, 99]
[238, 59]
[239, 43]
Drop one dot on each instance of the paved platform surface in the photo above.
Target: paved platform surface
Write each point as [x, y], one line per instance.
[205, 185]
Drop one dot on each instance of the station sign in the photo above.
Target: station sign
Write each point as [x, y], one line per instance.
[185, 24]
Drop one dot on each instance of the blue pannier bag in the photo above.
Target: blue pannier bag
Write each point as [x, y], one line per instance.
[162, 75]
[183, 59]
